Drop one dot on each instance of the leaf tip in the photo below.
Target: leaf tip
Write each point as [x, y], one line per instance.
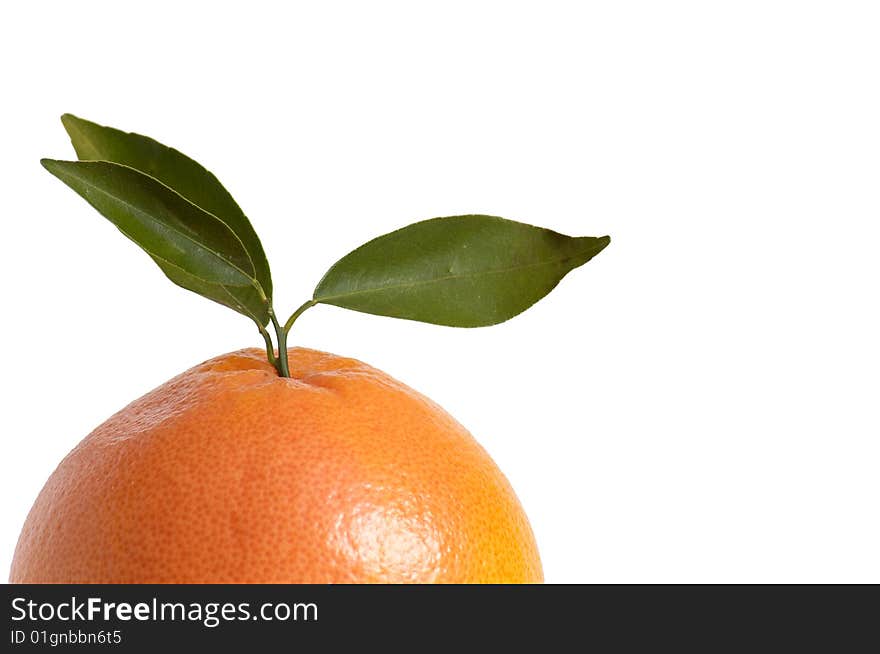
[69, 120]
[594, 244]
[68, 117]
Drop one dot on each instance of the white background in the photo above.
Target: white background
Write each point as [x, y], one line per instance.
[697, 404]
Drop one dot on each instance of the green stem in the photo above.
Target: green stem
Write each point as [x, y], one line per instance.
[281, 363]
[270, 349]
[296, 314]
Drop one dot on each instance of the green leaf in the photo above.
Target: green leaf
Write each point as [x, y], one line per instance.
[247, 300]
[187, 177]
[462, 271]
[168, 227]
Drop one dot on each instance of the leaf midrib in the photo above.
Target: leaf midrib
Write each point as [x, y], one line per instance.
[141, 212]
[435, 280]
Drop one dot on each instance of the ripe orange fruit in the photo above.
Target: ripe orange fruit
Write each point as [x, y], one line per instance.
[229, 473]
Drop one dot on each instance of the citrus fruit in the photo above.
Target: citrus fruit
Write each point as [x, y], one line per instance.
[289, 465]
[230, 473]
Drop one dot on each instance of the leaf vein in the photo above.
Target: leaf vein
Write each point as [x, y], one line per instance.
[435, 280]
[183, 235]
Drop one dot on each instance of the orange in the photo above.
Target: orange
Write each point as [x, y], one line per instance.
[229, 473]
